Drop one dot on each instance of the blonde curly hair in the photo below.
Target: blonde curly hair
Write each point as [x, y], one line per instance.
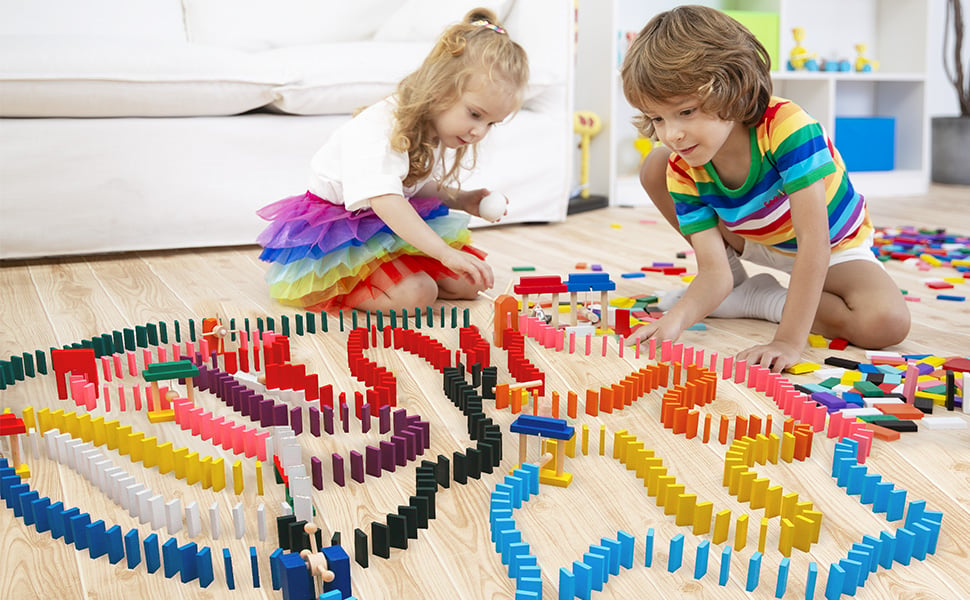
[699, 52]
[464, 52]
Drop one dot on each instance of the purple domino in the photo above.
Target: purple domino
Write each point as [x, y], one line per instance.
[315, 421]
[384, 419]
[296, 419]
[316, 472]
[357, 467]
[365, 418]
[328, 420]
[338, 468]
[373, 461]
[831, 402]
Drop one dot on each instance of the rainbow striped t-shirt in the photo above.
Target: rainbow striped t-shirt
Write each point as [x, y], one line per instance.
[789, 151]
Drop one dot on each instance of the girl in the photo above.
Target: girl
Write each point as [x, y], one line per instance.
[375, 231]
[753, 175]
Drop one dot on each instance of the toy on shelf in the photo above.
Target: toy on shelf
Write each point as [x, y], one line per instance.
[863, 64]
[587, 124]
[644, 146]
[801, 59]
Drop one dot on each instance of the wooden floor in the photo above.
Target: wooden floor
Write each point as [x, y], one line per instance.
[52, 303]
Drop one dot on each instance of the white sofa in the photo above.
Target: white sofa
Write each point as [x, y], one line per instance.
[156, 124]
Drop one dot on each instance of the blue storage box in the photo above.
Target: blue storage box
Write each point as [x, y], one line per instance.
[866, 143]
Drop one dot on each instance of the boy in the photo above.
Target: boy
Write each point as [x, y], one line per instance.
[754, 176]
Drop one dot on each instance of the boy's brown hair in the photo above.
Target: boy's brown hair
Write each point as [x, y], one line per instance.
[701, 52]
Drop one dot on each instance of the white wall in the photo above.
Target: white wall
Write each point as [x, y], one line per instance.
[943, 98]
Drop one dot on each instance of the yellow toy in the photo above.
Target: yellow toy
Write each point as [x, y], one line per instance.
[643, 146]
[801, 59]
[863, 64]
[587, 124]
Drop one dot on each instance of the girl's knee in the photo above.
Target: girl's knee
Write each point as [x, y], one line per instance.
[880, 328]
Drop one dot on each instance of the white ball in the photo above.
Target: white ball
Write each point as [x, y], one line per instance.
[492, 207]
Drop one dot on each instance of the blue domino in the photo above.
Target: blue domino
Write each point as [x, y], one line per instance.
[598, 571]
[811, 579]
[584, 579]
[203, 562]
[904, 546]
[41, 514]
[835, 583]
[13, 497]
[26, 505]
[153, 559]
[869, 487]
[896, 505]
[700, 559]
[506, 539]
[725, 566]
[607, 560]
[227, 563]
[626, 548]
[855, 479]
[888, 551]
[519, 561]
[188, 562]
[97, 539]
[648, 560]
[921, 542]
[116, 546]
[754, 572]
[782, 584]
[567, 584]
[132, 549]
[850, 576]
[616, 549]
[533, 476]
[275, 568]
[676, 557]
[171, 562]
[254, 563]
[78, 525]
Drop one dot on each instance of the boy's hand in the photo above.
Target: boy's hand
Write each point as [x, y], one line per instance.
[776, 355]
[661, 329]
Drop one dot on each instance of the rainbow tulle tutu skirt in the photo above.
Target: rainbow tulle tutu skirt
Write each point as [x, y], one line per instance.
[325, 258]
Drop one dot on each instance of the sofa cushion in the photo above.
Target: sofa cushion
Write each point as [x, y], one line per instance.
[63, 76]
[159, 20]
[424, 20]
[331, 84]
[264, 24]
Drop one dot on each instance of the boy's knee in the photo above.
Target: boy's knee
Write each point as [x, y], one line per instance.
[882, 328]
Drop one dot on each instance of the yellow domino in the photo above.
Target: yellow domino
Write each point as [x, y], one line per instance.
[161, 416]
[571, 446]
[759, 492]
[686, 506]
[237, 477]
[124, 439]
[620, 440]
[98, 435]
[702, 517]
[180, 462]
[744, 485]
[259, 478]
[44, 420]
[722, 521]
[787, 538]
[585, 440]
[23, 471]
[79, 424]
[602, 440]
[789, 503]
[28, 417]
[653, 478]
[218, 476]
[803, 368]
[955, 280]
[674, 492]
[643, 469]
[166, 458]
[929, 258]
[149, 452]
[193, 469]
[135, 446]
[762, 535]
[774, 446]
[205, 469]
[773, 501]
[663, 482]
[761, 449]
[57, 420]
[111, 433]
[787, 447]
[741, 533]
[817, 341]
[850, 377]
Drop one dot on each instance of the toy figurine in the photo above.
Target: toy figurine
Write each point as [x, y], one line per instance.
[801, 59]
[587, 125]
[863, 64]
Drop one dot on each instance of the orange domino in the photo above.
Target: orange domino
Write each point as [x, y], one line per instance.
[571, 401]
[502, 395]
[592, 403]
[707, 428]
[740, 427]
[692, 421]
[722, 433]
[606, 400]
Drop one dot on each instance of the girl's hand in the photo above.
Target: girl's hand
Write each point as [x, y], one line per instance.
[466, 265]
[776, 355]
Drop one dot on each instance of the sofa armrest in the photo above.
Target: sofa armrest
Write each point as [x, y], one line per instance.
[545, 29]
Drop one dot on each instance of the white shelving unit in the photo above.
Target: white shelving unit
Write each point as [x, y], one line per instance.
[895, 31]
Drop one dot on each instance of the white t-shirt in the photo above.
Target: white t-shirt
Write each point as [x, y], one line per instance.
[357, 163]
